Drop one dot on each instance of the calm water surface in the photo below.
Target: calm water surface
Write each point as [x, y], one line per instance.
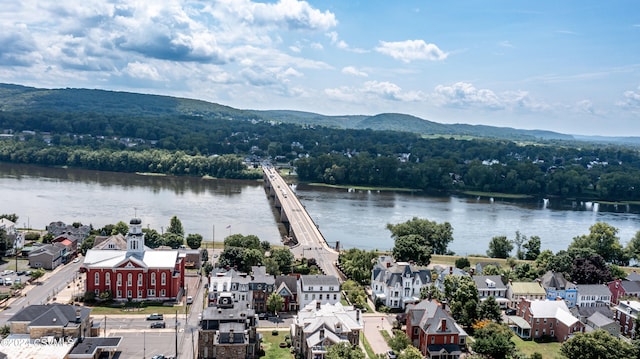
[355, 218]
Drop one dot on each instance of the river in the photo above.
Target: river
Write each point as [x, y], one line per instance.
[217, 208]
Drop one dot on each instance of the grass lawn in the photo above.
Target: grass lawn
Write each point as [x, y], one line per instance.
[367, 346]
[528, 347]
[270, 344]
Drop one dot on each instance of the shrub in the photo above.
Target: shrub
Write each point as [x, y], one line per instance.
[274, 332]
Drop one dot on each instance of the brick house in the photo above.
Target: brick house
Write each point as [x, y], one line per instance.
[623, 288]
[626, 314]
[286, 287]
[261, 287]
[137, 273]
[546, 318]
[228, 330]
[433, 331]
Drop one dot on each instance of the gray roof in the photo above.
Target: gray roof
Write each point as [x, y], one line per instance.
[396, 271]
[482, 282]
[630, 286]
[259, 275]
[556, 280]
[289, 281]
[50, 315]
[593, 289]
[633, 276]
[90, 345]
[313, 280]
[599, 320]
[240, 310]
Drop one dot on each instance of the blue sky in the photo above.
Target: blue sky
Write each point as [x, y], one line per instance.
[566, 66]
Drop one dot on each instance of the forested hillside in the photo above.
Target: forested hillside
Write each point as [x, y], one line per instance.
[114, 131]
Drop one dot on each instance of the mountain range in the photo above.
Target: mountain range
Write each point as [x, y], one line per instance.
[17, 98]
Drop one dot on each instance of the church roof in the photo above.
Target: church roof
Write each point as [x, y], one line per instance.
[110, 258]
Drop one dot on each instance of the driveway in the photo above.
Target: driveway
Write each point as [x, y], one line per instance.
[373, 324]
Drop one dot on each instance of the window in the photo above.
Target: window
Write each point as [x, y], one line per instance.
[97, 279]
[306, 296]
[151, 292]
[119, 282]
[321, 288]
[415, 331]
[139, 279]
[119, 294]
[129, 294]
[96, 292]
[320, 297]
[153, 279]
[163, 293]
[335, 297]
[163, 279]
[129, 279]
[433, 339]
[107, 279]
[139, 293]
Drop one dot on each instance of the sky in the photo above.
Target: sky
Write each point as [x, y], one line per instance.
[567, 66]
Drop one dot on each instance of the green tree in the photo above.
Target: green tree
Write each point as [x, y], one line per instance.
[283, 258]
[462, 294]
[355, 293]
[462, 263]
[175, 227]
[532, 247]
[47, 238]
[519, 240]
[633, 247]
[357, 264]
[410, 353]
[603, 239]
[399, 342]
[238, 240]
[251, 257]
[274, 303]
[344, 350]
[412, 248]
[120, 227]
[208, 268]
[266, 246]
[172, 240]
[194, 241]
[431, 292]
[204, 253]
[152, 238]
[231, 257]
[596, 345]
[494, 341]
[490, 309]
[37, 274]
[499, 247]
[87, 244]
[10, 216]
[434, 235]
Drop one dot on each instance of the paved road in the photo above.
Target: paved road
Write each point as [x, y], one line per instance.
[373, 324]
[311, 243]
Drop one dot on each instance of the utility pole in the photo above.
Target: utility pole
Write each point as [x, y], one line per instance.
[105, 325]
[176, 334]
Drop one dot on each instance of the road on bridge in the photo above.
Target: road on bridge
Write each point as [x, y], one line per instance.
[311, 243]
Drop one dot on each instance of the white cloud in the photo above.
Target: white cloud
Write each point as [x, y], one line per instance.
[631, 100]
[142, 71]
[411, 50]
[374, 90]
[465, 95]
[350, 70]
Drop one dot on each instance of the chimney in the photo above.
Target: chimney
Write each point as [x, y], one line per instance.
[322, 333]
[358, 315]
[450, 269]
[78, 316]
[443, 325]
[388, 264]
[317, 305]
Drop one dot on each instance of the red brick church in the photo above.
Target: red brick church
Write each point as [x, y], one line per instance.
[137, 272]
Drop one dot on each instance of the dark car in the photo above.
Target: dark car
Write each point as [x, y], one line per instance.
[262, 316]
[155, 316]
[158, 325]
[510, 311]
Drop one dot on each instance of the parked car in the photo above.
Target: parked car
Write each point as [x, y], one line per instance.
[262, 316]
[391, 354]
[76, 260]
[8, 281]
[21, 272]
[189, 300]
[155, 316]
[158, 325]
[17, 281]
[510, 311]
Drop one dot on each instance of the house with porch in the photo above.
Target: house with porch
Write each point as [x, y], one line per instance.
[396, 284]
[623, 288]
[558, 287]
[527, 290]
[545, 318]
[491, 286]
[433, 331]
[286, 286]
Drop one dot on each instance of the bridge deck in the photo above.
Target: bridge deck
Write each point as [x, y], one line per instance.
[311, 243]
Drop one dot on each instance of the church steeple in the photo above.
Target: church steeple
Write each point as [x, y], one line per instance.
[135, 238]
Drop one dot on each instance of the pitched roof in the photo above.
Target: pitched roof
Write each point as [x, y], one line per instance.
[556, 280]
[593, 289]
[599, 320]
[527, 288]
[313, 280]
[489, 282]
[50, 315]
[630, 286]
[633, 276]
[109, 258]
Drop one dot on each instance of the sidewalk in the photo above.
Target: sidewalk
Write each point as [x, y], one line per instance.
[372, 325]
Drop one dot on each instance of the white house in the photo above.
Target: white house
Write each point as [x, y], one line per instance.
[398, 284]
[491, 286]
[593, 295]
[324, 289]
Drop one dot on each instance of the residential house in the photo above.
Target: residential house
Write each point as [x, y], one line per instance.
[623, 288]
[47, 256]
[261, 286]
[433, 331]
[228, 330]
[60, 228]
[545, 318]
[70, 244]
[626, 314]
[229, 281]
[136, 273]
[557, 286]
[65, 328]
[116, 241]
[192, 257]
[600, 321]
[439, 273]
[322, 288]
[593, 295]
[318, 326]
[286, 286]
[15, 238]
[633, 276]
[527, 290]
[491, 286]
[397, 284]
[583, 313]
[480, 267]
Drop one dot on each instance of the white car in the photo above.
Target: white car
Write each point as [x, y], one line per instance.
[8, 281]
[189, 300]
[76, 260]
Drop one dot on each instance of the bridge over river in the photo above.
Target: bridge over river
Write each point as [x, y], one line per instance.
[309, 242]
